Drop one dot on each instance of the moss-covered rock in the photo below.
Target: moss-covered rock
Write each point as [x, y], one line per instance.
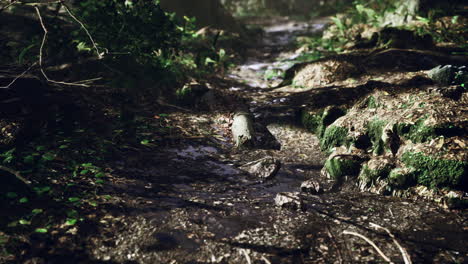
[374, 130]
[376, 168]
[420, 132]
[338, 166]
[317, 122]
[437, 173]
[334, 136]
[401, 177]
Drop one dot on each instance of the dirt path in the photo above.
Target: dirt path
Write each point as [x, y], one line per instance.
[192, 204]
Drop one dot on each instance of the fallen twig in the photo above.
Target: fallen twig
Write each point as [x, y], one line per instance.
[246, 254]
[19, 76]
[370, 243]
[266, 260]
[404, 253]
[17, 174]
[84, 28]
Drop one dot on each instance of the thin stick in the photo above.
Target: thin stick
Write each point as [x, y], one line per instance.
[19, 76]
[8, 5]
[247, 257]
[44, 39]
[17, 174]
[266, 260]
[370, 243]
[85, 29]
[335, 245]
[404, 253]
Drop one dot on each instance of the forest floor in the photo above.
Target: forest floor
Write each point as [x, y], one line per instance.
[189, 202]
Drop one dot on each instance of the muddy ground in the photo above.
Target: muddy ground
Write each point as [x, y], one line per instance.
[190, 203]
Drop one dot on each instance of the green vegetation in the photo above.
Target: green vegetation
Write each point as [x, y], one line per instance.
[337, 167]
[375, 130]
[419, 132]
[334, 136]
[318, 122]
[369, 175]
[437, 173]
[400, 178]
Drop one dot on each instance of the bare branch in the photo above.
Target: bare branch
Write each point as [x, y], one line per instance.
[44, 39]
[370, 243]
[19, 76]
[84, 28]
[8, 5]
[17, 174]
[404, 253]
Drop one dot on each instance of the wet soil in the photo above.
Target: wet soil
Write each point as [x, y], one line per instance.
[190, 202]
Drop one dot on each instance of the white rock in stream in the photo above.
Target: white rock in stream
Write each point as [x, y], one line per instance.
[290, 200]
[311, 186]
[264, 168]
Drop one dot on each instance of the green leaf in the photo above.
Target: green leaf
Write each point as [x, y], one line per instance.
[48, 156]
[11, 195]
[71, 221]
[37, 211]
[73, 199]
[72, 213]
[455, 19]
[145, 142]
[23, 53]
[24, 222]
[83, 172]
[99, 182]
[63, 146]
[40, 148]
[100, 175]
[24, 200]
[41, 230]
[28, 159]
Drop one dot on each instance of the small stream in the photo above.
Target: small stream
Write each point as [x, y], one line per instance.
[192, 204]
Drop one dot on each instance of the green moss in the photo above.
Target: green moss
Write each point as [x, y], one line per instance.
[419, 133]
[374, 131]
[334, 136]
[433, 172]
[400, 178]
[369, 175]
[318, 122]
[338, 167]
[372, 102]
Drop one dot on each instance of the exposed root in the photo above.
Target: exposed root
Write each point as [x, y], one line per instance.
[346, 232]
[404, 253]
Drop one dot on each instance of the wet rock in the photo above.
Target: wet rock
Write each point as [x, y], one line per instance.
[449, 74]
[311, 186]
[291, 200]
[242, 129]
[374, 171]
[265, 168]
[340, 165]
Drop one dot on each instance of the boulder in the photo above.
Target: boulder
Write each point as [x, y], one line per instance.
[265, 168]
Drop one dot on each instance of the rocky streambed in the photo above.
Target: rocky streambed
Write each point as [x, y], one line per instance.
[326, 184]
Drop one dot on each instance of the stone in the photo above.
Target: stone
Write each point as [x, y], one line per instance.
[264, 168]
[311, 186]
[291, 200]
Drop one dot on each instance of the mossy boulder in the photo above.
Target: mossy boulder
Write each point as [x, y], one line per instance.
[375, 130]
[435, 172]
[374, 169]
[317, 122]
[419, 132]
[334, 136]
[342, 165]
[401, 177]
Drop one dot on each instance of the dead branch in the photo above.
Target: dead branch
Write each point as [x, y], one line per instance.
[247, 257]
[100, 56]
[19, 76]
[8, 5]
[404, 253]
[17, 174]
[41, 51]
[370, 243]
